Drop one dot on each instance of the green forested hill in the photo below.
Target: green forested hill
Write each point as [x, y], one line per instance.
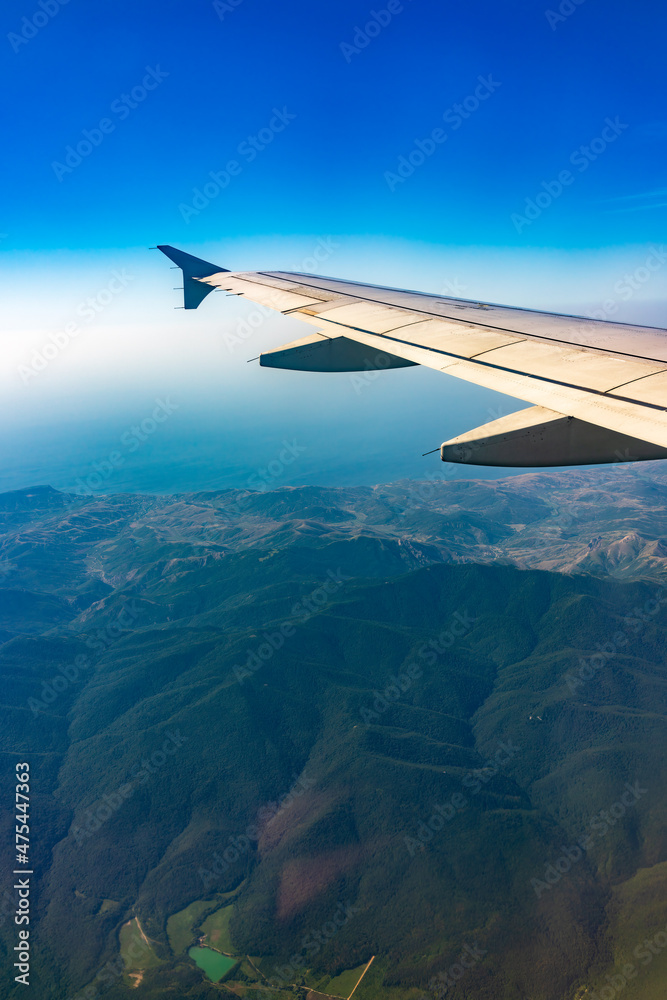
[444, 758]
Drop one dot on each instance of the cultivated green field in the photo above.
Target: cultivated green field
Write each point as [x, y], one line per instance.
[135, 952]
[181, 926]
[216, 929]
[341, 985]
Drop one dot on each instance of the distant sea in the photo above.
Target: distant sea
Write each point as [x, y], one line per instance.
[253, 433]
[189, 455]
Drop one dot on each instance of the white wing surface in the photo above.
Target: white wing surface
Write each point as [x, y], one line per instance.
[599, 388]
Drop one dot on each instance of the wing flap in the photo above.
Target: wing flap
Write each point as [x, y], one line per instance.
[622, 415]
[608, 374]
[321, 353]
[570, 365]
[466, 342]
[651, 391]
[538, 437]
[368, 316]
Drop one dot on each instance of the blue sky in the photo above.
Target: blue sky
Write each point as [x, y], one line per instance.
[353, 120]
[318, 105]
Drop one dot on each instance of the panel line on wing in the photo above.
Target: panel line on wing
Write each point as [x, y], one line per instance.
[488, 350]
[295, 309]
[488, 364]
[641, 378]
[517, 372]
[420, 353]
[461, 320]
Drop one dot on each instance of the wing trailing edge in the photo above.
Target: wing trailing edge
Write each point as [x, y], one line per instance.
[538, 437]
[598, 388]
[331, 353]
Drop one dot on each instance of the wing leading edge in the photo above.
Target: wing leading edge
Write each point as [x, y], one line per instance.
[597, 387]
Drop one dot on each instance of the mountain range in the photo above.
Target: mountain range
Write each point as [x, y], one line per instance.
[423, 722]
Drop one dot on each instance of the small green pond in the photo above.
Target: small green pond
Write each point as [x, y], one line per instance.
[212, 962]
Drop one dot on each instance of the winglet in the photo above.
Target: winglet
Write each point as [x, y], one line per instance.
[194, 292]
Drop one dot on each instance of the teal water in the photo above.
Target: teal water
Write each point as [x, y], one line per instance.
[212, 962]
[342, 439]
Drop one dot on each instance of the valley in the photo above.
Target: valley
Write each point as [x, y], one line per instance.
[314, 726]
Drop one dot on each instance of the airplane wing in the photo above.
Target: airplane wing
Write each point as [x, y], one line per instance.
[599, 388]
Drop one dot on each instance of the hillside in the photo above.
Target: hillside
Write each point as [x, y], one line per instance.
[361, 721]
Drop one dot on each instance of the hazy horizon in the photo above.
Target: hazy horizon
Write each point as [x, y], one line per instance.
[484, 216]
